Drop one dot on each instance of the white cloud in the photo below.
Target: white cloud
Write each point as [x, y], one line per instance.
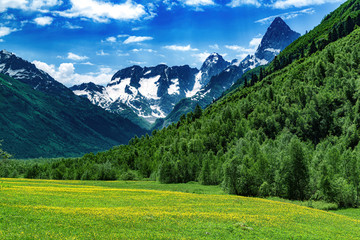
[196, 3]
[135, 39]
[282, 4]
[17, 4]
[143, 50]
[136, 28]
[111, 39]
[286, 16]
[238, 3]
[101, 11]
[66, 74]
[201, 57]
[33, 5]
[102, 53]
[38, 4]
[123, 35]
[69, 25]
[181, 48]
[240, 49]
[255, 42]
[215, 47]
[6, 31]
[87, 63]
[8, 16]
[43, 21]
[73, 56]
[170, 4]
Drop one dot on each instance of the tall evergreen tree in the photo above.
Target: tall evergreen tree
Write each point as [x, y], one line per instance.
[197, 111]
[349, 25]
[312, 48]
[298, 177]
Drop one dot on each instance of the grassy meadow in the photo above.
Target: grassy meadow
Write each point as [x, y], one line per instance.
[49, 209]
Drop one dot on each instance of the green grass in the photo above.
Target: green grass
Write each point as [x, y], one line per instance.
[349, 212]
[48, 209]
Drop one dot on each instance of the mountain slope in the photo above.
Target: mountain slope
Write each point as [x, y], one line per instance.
[42, 118]
[277, 37]
[151, 92]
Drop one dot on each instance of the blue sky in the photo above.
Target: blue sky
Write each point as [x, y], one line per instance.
[79, 41]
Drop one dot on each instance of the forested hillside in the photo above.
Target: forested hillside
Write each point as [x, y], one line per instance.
[293, 131]
[38, 124]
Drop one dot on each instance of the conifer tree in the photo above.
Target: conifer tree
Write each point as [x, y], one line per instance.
[313, 48]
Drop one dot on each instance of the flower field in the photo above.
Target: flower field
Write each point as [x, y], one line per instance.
[45, 209]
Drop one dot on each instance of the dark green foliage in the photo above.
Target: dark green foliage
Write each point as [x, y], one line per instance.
[297, 175]
[312, 48]
[34, 124]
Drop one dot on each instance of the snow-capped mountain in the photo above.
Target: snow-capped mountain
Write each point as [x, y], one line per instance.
[27, 72]
[277, 37]
[151, 92]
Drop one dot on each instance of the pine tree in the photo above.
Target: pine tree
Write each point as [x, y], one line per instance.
[197, 111]
[245, 82]
[349, 25]
[313, 48]
[298, 177]
[341, 30]
[261, 77]
[276, 63]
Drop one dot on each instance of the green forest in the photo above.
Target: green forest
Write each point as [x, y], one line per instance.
[292, 131]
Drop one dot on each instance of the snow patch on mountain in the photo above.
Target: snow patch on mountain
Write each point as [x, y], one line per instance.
[174, 87]
[149, 87]
[118, 91]
[197, 85]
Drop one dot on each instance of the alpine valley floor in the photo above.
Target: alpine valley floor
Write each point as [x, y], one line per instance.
[49, 209]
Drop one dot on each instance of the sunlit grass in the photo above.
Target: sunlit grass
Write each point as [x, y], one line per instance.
[44, 209]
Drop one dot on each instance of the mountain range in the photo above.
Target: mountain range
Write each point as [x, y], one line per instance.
[40, 117]
[163, 93]
[57, 121]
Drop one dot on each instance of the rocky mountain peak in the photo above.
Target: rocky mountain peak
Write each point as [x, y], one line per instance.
[277, 37]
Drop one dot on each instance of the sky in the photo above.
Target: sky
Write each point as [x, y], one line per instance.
[78, 41]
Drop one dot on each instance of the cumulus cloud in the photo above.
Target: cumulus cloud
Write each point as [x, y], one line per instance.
[136, 39]
[101, 11]
[66, 74]
[181, 48]
[286, 16]
[111, 39]
[238, 3]
[4, 31]
[33, 5]
[75, 57]
[43, 21]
